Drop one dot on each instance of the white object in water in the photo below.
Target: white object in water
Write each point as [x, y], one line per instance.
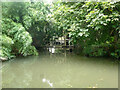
[52, 50]
[44, 80]
[48, 81]
[51, 84]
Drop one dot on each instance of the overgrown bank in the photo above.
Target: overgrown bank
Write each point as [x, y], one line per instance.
[93, 25]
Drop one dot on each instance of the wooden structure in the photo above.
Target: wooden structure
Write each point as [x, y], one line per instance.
[62, 43]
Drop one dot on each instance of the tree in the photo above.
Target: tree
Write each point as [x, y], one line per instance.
[93, 25]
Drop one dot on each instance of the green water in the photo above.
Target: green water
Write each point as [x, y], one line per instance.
[60, 71]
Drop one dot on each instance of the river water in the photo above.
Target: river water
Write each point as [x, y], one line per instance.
[60, 71]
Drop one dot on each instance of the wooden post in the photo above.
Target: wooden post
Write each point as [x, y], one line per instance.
[65, 38]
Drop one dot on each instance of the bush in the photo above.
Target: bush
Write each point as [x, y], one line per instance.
[15, 40]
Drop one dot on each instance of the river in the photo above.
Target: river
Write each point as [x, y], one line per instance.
[60, 71]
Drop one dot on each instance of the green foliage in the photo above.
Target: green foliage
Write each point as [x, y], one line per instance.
[94, 51]
[16, 40]
[89, 24]
[38, 23]
[93, 25]
[6, 48]
[116, 52]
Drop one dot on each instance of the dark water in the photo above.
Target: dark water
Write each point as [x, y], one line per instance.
[60, 71]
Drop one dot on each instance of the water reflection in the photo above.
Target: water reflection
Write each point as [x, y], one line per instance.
[60, 71]
[47, 81]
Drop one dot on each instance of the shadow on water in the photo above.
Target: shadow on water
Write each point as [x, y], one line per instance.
[57, 70]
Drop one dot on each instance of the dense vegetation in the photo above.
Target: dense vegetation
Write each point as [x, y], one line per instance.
[94, 27]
